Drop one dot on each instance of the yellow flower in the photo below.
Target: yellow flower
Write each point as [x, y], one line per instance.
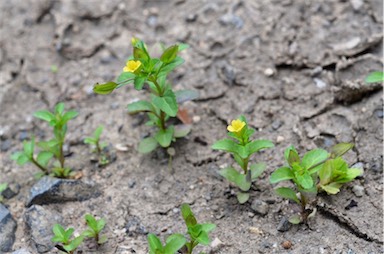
[132, 66]
[236, 126]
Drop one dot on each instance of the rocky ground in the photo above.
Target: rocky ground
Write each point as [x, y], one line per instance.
[294, 68]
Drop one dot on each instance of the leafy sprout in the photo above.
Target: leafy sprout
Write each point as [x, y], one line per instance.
[97, 146]
[64, 237]
[94, 228]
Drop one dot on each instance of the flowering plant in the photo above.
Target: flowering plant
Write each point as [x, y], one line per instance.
[143, 69]
[242, 148]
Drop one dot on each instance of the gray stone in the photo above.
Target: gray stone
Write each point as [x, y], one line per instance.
[260, 207]
[358, 190]
[277, 124]
[50, 190]
[7, 229]
[284, 225]
[135, 227]
[39, 223]
[11, 190]
[22, 251]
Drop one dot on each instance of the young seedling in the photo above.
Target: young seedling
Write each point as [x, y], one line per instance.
[3, 187]
[173, 243]
[141, 69]
[198, 234]
[97, 146]
[242, 148]
[63, 237]
[49, 149]
[94, 228]
[317, 171]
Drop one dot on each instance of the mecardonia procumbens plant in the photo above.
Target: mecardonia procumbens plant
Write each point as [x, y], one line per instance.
[141, 69]
[53, 148]
[242, 148]
[317, 171]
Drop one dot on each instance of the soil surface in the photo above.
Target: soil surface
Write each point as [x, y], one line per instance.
[295, 69]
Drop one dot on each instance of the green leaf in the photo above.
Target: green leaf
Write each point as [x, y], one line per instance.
[164, 137]
[100, 225]
[69, 115]
[375, 77]
[188, 215]
[139, 82]
[125, 77]
[44, 157]
[340, 149]
[186, 95]
[97, 133]
[332, 188]
[242, 197]
[44, 115]
[89, 233]
[166, 103]
[182, 130]
[256, 170]
[59, 232]
[74, 243]
[235, 177]
[165, 69]
[22, 159]
[305, 180]
[183, 46]
[207, 227]
[257, 145]
[287, 193]
[147, 145]
[203, 238]
[174, 243]
[325, 173]
[169, 54]
[154, 244]
[295, 219]
[140, 106]
[3, 187]
[139, 54]
[281, 174]
[29, 147]
[106, 88]
[313, 158]
[288, 150]
[293, 157]
[91, 222]
[351, 174]
[229, 145]
[59, 108]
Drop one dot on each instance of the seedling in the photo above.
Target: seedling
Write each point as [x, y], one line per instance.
[317, 171]
[97, 146]
[173, 243]
[94, 228]
[198, 234]
[49, 149]
[63, 237]
[242, 148]
[3, 187]
[375, 77]
[162, 106]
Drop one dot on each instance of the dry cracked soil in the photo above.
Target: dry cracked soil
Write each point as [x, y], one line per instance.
[294, 68]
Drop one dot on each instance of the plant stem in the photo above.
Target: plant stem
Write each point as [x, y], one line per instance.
[317, 164]
[39, 166]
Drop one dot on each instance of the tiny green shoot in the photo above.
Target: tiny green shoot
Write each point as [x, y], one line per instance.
[94, 228]
[375, 77]
[242, 148]
[3, 187]
[173, 243]
[49, 149]
[66, 244]
[97, 146]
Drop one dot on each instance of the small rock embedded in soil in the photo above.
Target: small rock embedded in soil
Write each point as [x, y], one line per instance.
[39, 222]
[284, 225]
[286, 245]
[11, 190]
[50, 190]
[358, 190]
[7, 229]
[135, 227]
[260, 207]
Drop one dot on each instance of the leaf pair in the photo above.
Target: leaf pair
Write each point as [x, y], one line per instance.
[64, 236]
[173, 243]
[244, 151]
[94, 229]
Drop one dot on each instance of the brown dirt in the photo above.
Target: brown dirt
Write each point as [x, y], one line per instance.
[317, 51]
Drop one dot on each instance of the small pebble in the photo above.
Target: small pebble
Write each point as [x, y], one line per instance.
[284, 225]
[260, 207]
[216, 243]
[269, 72]
[196, 119]
[286, 244]
[255, 230]
[280, 139]
[121, 147]
[358, 190]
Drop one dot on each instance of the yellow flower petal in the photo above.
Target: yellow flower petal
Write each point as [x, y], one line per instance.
[132, 66]
[236, 126]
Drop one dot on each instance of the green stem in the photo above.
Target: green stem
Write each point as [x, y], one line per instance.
[317, 164]
[39, 166]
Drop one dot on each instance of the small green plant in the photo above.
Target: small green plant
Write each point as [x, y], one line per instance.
[317, 171]
[242, 148]
[49, 149]
[198, 234]
[97, 146]
[375, 77]
[94, 228]
[64, 237]
[3, 187]
[173, 243]
[162, 106]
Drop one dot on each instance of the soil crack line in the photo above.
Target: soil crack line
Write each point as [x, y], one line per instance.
[346, 222]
